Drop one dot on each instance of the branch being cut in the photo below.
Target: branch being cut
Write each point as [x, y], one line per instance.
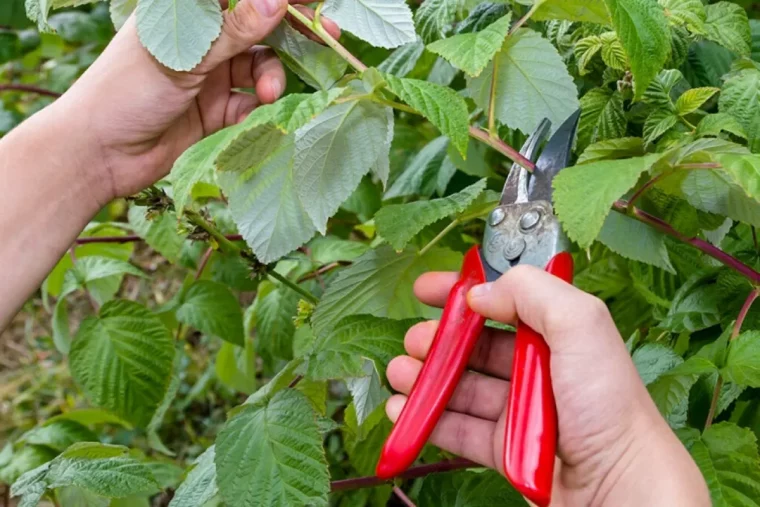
[29, 89]
[412, 473]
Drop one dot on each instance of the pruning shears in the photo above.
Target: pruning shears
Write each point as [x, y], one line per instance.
[522, 229]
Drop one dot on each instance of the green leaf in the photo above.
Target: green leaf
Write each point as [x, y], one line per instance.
[694, 307]
[659, 91]
[602, 117]
[444, 107]
[693, 99]
[25, 459]
[634, 240]
[196, 165]
[122, 360]
[728, 25]
[688, 13]
[121, 10]
[584, 194]
[471, 52]
[178, 33]
[58, 435]
[744, 170]
[73, 496]
[743, 362]
[652, 360]
[382, 23]
[90, 417]
[643, 30]
[421, 175]
[380, 283]
[591, 11]
[399, 223]
[728, 458]
[263, 198]
[473, 489]
[613, 149]
[707, 63]
[105, 470]
[211, 308]
[157, 419]
[334, 151]
[585, 50]
[329, 249]
[340, 353]
[276, 306]
[740, 98]
[367, 392]
[657, 124]
[403, 60]
[434, 18]
[270, 454]
[200, 484]
[319, 66]
[671, 389]
[530, 82]
[160, 233]
[714, 124]
[297, 109]
[94, 268]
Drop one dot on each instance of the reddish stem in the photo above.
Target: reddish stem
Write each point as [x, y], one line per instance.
[646, 186]
[29, 89]
[295, 381]
[203, 262]
[402, 496]
[737, 329]
[700, 244]
[412, 473]
[502, 147]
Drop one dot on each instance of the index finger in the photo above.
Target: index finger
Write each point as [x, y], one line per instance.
[433, 288]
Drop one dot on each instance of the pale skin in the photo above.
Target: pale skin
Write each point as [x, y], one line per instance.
[122, 125]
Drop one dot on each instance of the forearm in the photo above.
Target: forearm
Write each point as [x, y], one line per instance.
[50, 190]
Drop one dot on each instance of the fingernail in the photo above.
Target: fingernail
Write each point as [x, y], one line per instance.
[270, 7]
[480, 291]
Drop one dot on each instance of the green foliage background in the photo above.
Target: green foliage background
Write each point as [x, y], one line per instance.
[287, 246]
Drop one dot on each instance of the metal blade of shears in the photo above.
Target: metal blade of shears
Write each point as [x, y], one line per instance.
[554, 157]
[516, 187]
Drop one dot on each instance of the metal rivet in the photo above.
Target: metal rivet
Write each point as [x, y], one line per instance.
[514, 249]
[530, 220]
[497, 217]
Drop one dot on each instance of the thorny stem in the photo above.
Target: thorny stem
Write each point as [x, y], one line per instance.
[29, 89]
[440, 236]
[700, 244]
[402, 496]
[225, 244]
[412, 473]
[753, 295]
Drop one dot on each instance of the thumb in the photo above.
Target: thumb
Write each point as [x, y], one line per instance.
[244, 26]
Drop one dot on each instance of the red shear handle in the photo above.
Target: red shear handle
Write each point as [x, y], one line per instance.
[457, 334]
[530, 442]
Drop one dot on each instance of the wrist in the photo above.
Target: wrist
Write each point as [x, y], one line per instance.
[654, 468]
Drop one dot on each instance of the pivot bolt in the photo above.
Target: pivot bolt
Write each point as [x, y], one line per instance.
[497, 217]
[530, 220]
[514, 249]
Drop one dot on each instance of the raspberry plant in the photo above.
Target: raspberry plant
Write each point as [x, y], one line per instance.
[379, 164]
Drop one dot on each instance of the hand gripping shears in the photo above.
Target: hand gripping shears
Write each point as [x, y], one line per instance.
[522, 229]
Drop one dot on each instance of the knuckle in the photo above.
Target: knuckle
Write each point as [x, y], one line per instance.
[240, 21]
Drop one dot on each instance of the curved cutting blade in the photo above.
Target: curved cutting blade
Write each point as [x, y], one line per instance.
[516, 187]
[554, 158]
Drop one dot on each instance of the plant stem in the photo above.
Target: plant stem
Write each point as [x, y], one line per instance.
[132, 239]
[412, 473]
[700, 244]
[492, 102]
[321, 271]
[394, 105]
[316, 27]
[295, 381]
[28, 89]
[225, 244]
[293, 286]
[524, 19]
[402, 496]
[440, 236]
[646, 186]
[203, 262]
[753, 295]
[502, 147]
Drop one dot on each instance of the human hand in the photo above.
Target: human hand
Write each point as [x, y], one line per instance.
[138, 116]
[614, 447]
